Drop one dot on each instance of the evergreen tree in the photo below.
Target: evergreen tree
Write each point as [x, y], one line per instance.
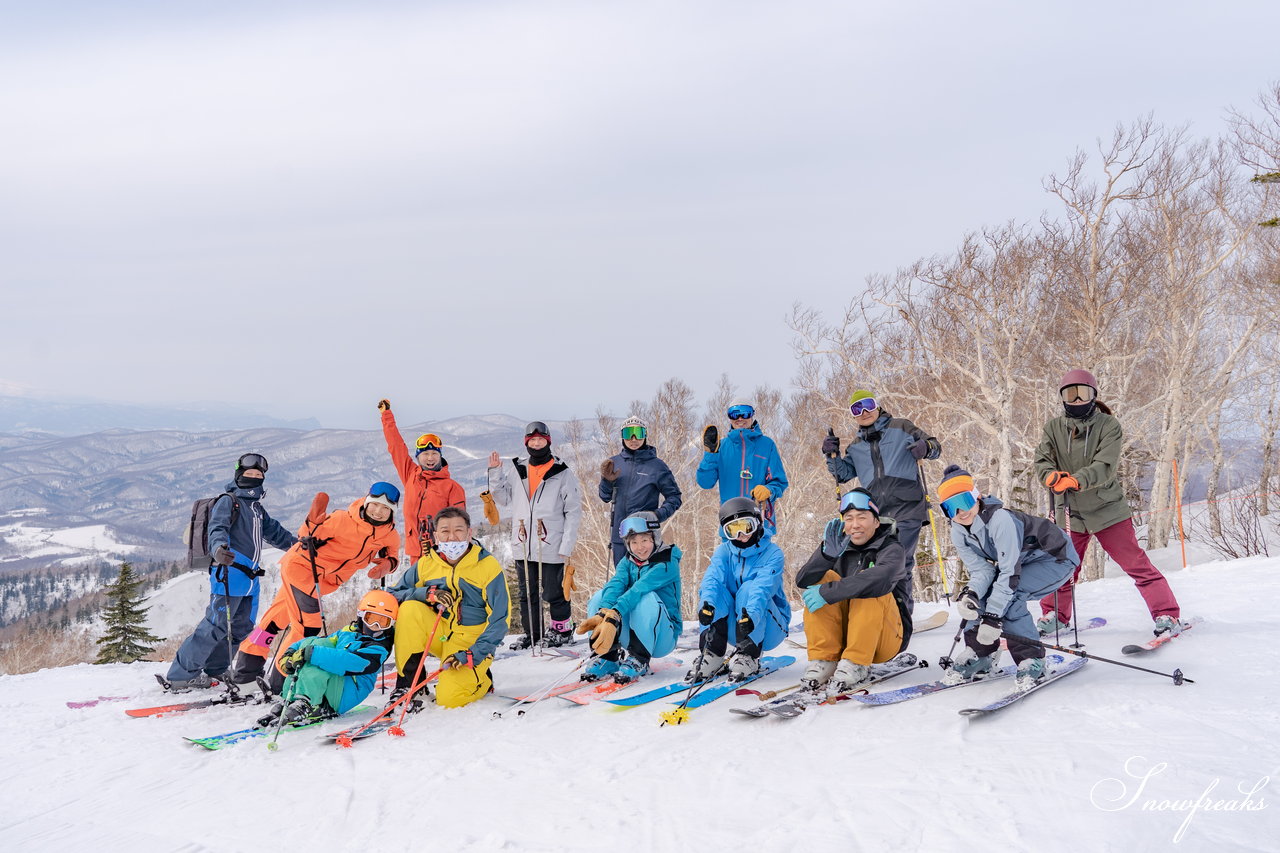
[126, 636]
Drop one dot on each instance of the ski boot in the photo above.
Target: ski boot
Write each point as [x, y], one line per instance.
[848, 676]
[599, 669]
[1050, 624]
[559, 634]
[300, 710]
[1031, 671]
[272, 716]
[522, 642]
[631, 670]
[415, 704]
[970, 666]
[1167, 625]
[742, 667]
[201, 681]
[817, 674]
[705, 667]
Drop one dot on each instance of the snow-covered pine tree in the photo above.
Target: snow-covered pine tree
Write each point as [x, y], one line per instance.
[127, 635]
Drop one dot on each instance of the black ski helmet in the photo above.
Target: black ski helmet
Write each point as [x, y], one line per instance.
[537, 428]
[737, 508]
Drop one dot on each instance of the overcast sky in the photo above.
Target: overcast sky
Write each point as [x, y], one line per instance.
[528, 207]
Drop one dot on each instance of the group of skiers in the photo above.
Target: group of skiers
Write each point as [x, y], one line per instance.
[452, 601]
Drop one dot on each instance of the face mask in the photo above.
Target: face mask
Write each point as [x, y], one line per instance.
[244, 482]
[1080, 411]
[452, 550]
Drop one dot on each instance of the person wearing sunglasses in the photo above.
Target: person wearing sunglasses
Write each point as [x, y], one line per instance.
[541, 497]
[885, 457]
[238, 527]
[332, 547]
[1078, 459]
[858, 602]
[745, 463]
[464, 586]
[637, 613]
[636, 480]
[743, 602]
[336, 673]
[428, 487]
[1011, 557]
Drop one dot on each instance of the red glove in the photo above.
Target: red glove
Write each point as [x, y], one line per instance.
[1061, 481]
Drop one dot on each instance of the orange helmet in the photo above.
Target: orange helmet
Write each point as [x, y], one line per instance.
[381, 605]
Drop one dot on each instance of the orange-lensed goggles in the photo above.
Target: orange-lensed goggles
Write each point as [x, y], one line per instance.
[429, 441]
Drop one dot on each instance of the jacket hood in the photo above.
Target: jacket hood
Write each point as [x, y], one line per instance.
[989, 500]
[644, 453]
[254, 494]
[765, 538]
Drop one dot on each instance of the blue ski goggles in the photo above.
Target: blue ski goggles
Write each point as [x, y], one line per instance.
[634, 524]
[866, 404]
[385, 490]
[858, 500]
[739, 413]
[962, 502]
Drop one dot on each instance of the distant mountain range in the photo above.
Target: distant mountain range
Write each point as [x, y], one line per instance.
[29, 414]
[141, 483]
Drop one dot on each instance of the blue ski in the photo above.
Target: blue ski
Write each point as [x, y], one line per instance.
[1008, 699]
[677, 687]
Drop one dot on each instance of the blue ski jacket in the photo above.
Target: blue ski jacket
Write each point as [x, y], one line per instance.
[661, 575]
[351, 653]
[243, 532]
[752, 576]
[747, 458]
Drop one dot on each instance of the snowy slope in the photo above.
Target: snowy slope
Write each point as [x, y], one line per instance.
[1051, 773]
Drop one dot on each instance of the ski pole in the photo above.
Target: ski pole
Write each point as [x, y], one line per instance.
[1176, 675]
[933, 526]
[680, 713]
[1075, 616]
[417, 684]
[286, 696]
[540, 694]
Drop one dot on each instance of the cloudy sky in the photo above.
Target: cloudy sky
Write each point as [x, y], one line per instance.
[529, 207]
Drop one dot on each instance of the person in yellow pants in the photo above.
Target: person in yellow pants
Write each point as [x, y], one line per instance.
[456, 598]
[856, 597]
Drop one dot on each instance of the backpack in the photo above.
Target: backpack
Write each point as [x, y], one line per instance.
[196, 534]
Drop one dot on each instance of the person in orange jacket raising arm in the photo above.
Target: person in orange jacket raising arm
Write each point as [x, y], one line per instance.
[331, 548]
[428, 487]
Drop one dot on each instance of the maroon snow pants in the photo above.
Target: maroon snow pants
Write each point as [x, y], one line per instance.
[1121, 544]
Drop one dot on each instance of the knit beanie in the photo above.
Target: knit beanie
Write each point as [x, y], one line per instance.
[955, 480]
[860, 395]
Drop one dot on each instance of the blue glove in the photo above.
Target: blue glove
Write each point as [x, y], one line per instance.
[812, 597]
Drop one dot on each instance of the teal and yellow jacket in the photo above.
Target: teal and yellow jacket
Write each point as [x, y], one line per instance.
[479, 587]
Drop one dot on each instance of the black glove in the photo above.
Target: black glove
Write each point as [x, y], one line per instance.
[707, 614]
[223, 556]
[311, 544]
[831, 444]
[439, 599]
[295, 660]
[711, 438]
[989, 629]
[922, 448]
[746, 645]
[967, 604]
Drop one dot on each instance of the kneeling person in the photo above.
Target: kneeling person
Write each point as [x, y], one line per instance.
[333, 674]
[857, 597]
[464, 584]
[1011, 558]
[638, 610]
[742, 598]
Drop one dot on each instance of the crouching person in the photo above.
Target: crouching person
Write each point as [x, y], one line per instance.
[333, 674]
[742, 598]
[454, 605]
[637, 613]
[857, 597]
[1011, 558]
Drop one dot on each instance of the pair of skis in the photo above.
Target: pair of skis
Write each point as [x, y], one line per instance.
[714, 689]
[794, 702]
[1058, 667]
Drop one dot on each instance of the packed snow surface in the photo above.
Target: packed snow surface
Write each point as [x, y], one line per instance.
[1107, 759]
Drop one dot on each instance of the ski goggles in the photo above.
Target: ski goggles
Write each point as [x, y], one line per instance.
[858, 500]
[429, 441]
[631, 432]
[1078, 393]
[735, 527]
[252, 460]
[375, 621]
[741, 413]
[633, 525]
[962, 502]
[861, 407]
[385, 490]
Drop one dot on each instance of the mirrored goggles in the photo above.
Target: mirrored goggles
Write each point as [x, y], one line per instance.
[633, 525]
[631, 432]
[738, 413]
[385, 490]
[1078, 393]
[962, 502]
[735, 527]
[858, 500]
[861, 407]
[429, 441]
[252, 460]
[375, 621]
